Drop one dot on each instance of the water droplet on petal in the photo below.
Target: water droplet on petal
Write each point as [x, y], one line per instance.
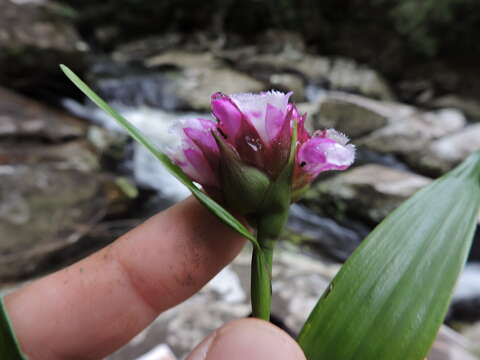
[254, 143]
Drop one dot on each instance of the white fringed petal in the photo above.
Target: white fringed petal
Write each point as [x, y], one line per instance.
[254, 107]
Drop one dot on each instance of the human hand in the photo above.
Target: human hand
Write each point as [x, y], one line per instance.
[93, 307]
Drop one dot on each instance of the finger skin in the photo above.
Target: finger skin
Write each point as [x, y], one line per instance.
[250, 339]
[93, 307]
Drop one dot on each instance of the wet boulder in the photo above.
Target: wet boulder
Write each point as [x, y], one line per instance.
[172, 80]
[332, 73]
[21, 117]
[354, 115]
[36, 36]
[469, 106]
[201, 75]
[369, 192]
[52, 187]
[43, 209]
[323, 235]
[413, 131]
[445, 153]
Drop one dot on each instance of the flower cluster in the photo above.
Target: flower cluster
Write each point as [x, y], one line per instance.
[251, 140]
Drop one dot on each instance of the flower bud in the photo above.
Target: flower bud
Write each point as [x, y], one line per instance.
[243, 155]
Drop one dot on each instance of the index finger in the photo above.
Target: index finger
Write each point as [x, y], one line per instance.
[96, 305]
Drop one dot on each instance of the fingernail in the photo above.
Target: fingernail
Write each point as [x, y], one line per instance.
[248, 339]
[202, 349]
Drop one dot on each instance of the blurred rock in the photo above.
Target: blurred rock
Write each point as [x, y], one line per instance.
[36, 36]
[21, 117]
[43, 209]
[288, 82]
[450, 345]
[106, 142]
[410, 134]
[202, 75]
[355, 115]
[77, 155]
[446, 152]
[323, 235]
[33, 24]
[133, 88]
[348, 75]
[472, 334]
[138, 50]
[391, 129]
[281, 41]
[52, 190]
[369, 192]
[47, 208]
[364, 156]
[174, 80]
[331, 73]
[469, 106]
[432, 142]
[465, 306]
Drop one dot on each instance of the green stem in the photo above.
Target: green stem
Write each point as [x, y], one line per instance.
[261, 282]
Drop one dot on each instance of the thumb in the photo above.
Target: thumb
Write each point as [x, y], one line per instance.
[251, 339]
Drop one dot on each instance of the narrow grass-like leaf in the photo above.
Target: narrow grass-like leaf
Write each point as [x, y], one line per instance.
[211, 204]
[9, 348]
[390, 298]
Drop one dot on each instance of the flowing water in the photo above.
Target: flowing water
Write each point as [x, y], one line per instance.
[156, 124]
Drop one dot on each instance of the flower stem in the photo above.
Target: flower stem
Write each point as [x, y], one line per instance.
[261, 282]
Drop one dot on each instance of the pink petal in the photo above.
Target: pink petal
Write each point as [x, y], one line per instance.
[293, 110]
[274, 121]
[198, 168]
[302, 133]
[238, 130]
[228, 115]
[195, 150]
[280, 141]
[280, 132]
[200, 132]
[326, 151]
[254, 108]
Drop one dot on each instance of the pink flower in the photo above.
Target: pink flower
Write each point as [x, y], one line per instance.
[256, 130]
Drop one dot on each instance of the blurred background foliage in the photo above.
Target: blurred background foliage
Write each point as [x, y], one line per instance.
[403, 39]
[428, 28]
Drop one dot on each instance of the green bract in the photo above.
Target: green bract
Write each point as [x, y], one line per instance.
[244, 186]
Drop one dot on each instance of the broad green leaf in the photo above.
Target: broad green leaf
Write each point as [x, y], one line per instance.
[211, 204]
[390, 298]
[9, 348]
